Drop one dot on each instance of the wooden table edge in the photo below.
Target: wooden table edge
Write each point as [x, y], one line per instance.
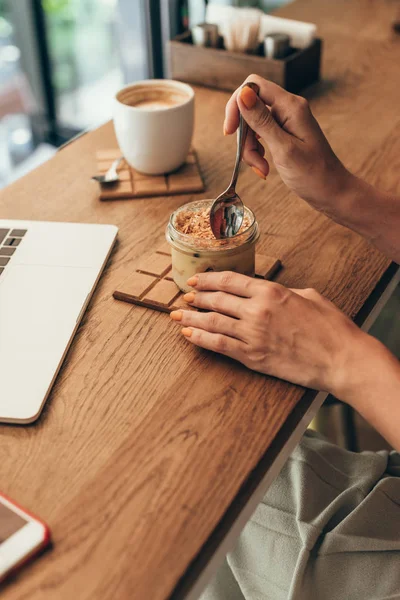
[224, 536]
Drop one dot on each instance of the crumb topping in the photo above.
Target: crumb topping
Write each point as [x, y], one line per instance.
[197, 223]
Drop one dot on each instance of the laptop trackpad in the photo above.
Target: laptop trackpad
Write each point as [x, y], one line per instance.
[39, 307]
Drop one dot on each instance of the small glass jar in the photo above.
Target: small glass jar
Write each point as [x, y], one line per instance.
[191, 255]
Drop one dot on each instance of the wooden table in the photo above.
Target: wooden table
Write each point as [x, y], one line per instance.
[151, 453]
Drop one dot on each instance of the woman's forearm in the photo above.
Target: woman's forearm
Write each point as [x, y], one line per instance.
[372, 387]
[372, 213]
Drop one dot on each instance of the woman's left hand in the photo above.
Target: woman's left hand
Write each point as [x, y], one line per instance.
[293, 334]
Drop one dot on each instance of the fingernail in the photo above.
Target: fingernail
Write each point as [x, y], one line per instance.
[176, 315]
[248, 97]
[259, 173]
[192, 281]
[186, 332]
[224, 130]
[189, 297]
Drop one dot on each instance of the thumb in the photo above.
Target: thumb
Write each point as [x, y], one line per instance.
[259, 117]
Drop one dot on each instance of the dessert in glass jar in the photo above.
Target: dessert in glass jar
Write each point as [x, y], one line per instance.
[195, 249]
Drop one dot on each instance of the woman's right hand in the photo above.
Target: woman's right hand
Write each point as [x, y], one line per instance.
[299, 149]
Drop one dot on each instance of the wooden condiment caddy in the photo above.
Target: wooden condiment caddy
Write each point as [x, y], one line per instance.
[224, 70]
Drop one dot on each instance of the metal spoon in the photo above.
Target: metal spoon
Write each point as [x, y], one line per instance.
[111, 176]
[227, 211]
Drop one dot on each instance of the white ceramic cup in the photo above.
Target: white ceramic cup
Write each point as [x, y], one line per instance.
[153, 122]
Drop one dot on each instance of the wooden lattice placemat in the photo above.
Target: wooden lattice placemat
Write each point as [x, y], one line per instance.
[151, 285]
[132, 184]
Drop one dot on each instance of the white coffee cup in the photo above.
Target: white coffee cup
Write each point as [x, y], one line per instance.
[153, 122]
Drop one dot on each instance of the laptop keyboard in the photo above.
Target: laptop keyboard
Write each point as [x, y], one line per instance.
[10, 239]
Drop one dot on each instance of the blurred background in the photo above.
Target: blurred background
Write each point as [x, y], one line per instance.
[61, 61]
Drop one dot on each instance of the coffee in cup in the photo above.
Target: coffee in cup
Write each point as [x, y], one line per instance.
[153, 123]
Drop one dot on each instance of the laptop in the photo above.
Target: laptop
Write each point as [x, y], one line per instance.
[48, 272]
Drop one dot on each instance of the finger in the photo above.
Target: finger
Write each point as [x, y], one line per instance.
[260, 119]
[216, 342]
[225, 281]
[295, 117]
[226, 304]
[253, 143]
[231, 122]
[269, 92]
[253, 155]
[211, 321]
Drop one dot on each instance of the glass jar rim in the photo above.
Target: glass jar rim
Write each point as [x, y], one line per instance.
[191, 241]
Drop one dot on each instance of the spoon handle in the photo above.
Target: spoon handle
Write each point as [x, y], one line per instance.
[112, 171]
[241, 138]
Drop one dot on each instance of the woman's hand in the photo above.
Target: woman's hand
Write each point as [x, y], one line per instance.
[300, 151]
[296, 335]
[293, 334]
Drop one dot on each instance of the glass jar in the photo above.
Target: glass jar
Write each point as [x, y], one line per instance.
[191, 255]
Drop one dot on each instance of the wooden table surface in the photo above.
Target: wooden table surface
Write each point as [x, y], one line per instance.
[146, 442]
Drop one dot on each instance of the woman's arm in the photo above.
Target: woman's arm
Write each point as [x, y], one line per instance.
[308, 165]
[374, 391]
[296, 335]
[373, 214]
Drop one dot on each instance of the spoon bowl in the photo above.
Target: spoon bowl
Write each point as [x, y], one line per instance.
[226, 215]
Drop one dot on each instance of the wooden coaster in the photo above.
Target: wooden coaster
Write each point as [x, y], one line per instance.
[152, 286]
[136, 185]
